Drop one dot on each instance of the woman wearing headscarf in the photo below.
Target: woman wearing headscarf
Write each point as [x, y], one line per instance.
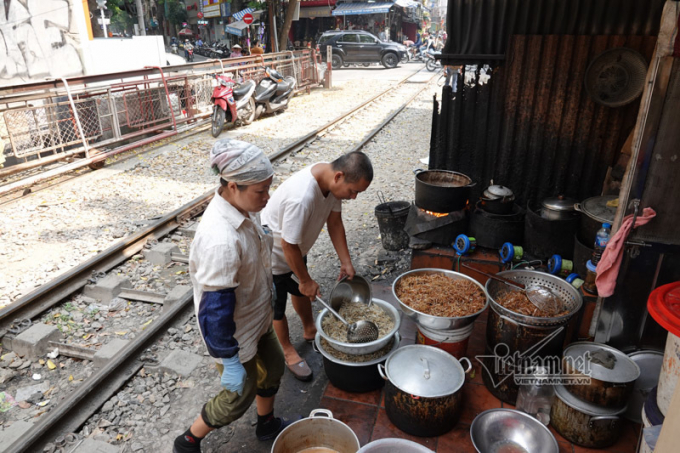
[230, 268]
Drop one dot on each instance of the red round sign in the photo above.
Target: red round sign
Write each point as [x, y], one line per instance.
[199, 15]
[248, 18]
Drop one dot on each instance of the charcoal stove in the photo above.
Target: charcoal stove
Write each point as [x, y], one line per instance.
[426, 228]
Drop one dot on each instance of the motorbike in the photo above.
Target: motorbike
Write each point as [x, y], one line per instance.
[273, 92]
[174, 47]
[233, 103]
[431, 63]
[190, 57]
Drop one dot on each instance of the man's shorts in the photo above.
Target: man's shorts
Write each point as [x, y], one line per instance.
[285, 285]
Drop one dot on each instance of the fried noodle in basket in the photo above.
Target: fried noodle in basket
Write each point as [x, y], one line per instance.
[518, 302]
[439, 295]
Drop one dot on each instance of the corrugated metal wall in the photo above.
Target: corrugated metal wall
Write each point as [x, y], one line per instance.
[483, 27]
[529, 124]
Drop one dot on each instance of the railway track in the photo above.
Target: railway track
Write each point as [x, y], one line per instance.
[144, 296]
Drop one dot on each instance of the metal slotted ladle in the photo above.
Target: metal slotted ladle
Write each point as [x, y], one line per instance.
[542, 297]
[357, 332]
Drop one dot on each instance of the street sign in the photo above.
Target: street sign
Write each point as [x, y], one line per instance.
[107, 21]
[199, 15]
[248, 19]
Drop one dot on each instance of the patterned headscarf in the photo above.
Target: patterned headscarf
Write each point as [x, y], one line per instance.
[240, 162]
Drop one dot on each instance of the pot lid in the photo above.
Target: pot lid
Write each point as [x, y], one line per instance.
[602, 362]
[584, 406]
[559, 203]
[498, 191]
[424, 371]
[664, 306]
[597, 208]
[650, 363]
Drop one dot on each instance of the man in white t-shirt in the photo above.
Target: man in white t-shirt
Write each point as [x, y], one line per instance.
[296, 214]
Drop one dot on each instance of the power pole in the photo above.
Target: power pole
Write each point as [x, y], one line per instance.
[272, 26]
[101, 4]
[140, 18]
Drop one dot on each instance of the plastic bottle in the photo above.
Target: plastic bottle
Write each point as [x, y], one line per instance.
[601, 241]
[536, 398]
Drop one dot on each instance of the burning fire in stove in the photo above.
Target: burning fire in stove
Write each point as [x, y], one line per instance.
[436, 214]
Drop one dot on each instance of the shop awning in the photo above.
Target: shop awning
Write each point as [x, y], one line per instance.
[354, 9]
[314, 11]
[236, 28]
[238, 16]
[407, 3]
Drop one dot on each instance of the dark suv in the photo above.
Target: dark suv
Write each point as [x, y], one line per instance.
[357, 46]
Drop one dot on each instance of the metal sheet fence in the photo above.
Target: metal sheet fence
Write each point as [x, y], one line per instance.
[38, 125]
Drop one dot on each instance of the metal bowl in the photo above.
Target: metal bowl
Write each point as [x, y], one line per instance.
[362, 348]
[569, 295]
[438, 322]
[356, 290]
[511, 430]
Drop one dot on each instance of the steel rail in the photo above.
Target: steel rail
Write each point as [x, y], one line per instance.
[78, 406]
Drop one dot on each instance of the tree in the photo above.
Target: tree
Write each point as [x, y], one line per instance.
[288, 21]
[174, 12]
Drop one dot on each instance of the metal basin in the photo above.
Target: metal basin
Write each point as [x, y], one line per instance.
[356, 290]
[362, 348]
[507, 430]
[393, 445]
[438, 322]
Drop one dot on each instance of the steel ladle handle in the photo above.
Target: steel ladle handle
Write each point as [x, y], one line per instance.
[335, 313]
[495, 277]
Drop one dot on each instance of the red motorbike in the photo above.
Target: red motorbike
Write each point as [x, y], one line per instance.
[233, 103]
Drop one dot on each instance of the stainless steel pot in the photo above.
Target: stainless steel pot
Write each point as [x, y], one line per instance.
[423, 392]
[650, 363]
[612, 373]
[594, 212]
[497, 199]
[319, 430]
[361, 348]
[437, 322]
[394, 445]
[558, 208]
[583, 423]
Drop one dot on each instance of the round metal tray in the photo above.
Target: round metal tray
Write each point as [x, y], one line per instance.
[569, 295]
[438, 322]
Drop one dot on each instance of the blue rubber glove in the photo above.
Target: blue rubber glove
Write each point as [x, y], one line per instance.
[234, 375]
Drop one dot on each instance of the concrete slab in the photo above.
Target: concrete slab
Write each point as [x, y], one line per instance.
[180, 362]
[108, 351]
[13, 432]
[161, 253]
[107, 288]
[175, 295]
[95, 446]
[34, 341]
[189, 230]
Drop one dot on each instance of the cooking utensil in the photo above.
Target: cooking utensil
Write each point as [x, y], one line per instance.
[356, 290]
[438, 323]
[612, 373]
[558, 208]
[497, 199]
[357, 332]
[362, 348]
[441, 190]
[355, 377]
[584, 423]
[382, 200]
[319, 430]
[650, 366]
[497, 430]
[423, 393]
[393, 445]
[542, 297]
[594, 212]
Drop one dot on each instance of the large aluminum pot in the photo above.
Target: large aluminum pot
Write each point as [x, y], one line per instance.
[320, 430]
[584, 423]
[394, 445]
[442, 190]
[610, 384]
[423, 394]
[594, 212]
[355, 377]
[437, 322]
[362, 348]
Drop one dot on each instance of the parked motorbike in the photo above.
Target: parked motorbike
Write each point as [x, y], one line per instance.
[431, 63]
[273, 92]
[233, 103]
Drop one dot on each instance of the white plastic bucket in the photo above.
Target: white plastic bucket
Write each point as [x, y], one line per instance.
[670, 373]
[455, 342]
